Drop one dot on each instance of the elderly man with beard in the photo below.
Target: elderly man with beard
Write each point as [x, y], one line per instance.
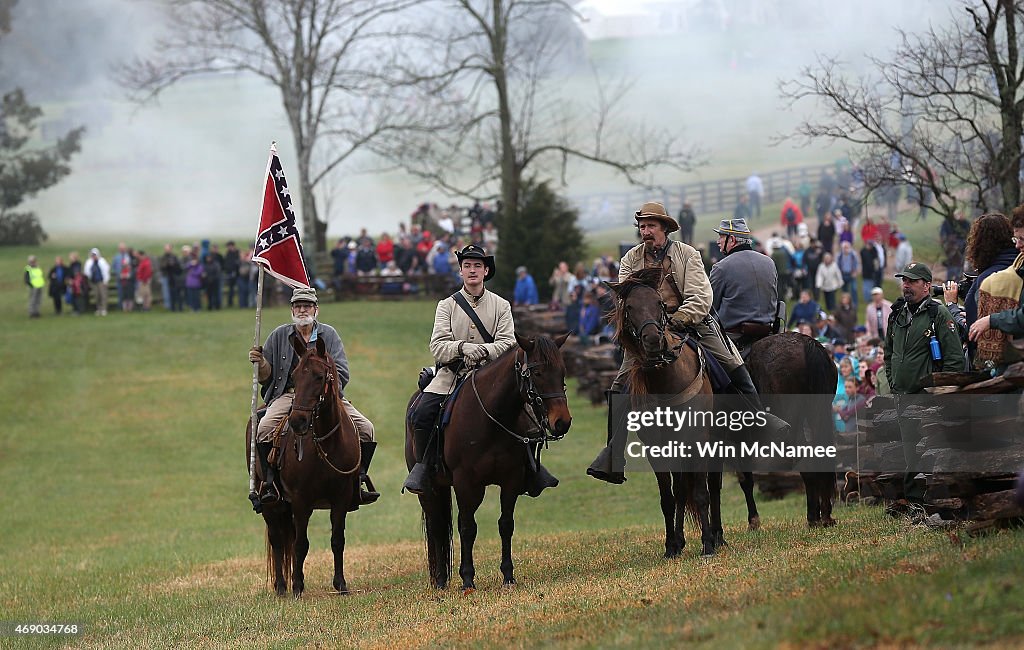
[278, 359]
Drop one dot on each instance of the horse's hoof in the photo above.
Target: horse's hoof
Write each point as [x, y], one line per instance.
[297, 595]
[510, 582]
[672, 553]
[708, 552]
[829, 522]
[341, 591]
[468, 590]
[754, 523]
[814, 523]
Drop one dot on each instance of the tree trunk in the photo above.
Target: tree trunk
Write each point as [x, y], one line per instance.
[509, 170]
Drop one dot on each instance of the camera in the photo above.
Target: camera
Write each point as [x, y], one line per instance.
[963, 286]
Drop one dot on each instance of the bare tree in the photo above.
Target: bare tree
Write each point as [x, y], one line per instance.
[478, 75]
[943, 113]
[322, 55]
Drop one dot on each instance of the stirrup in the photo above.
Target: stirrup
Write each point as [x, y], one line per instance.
[418, 481]
[269, 494]
[369, 494]
[601, 468]
[540, 481]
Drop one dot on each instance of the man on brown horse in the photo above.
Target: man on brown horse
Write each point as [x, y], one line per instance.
[745, 285]
[687, 295]
[462, 336]
[277, 359]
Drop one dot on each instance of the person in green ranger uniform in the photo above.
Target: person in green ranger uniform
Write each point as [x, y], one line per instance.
[916, 321]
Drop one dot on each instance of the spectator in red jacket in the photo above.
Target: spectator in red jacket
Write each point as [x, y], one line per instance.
[791, 217]
[143, 279]
[869, 231]
[385, 250]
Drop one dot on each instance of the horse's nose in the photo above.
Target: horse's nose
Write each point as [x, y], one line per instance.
[562, 426]
[299, 423]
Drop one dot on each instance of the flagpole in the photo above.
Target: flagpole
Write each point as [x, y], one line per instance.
[255, 383]
[255, 343]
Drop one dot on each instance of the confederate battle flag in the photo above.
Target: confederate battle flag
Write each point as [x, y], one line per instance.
[277, 245]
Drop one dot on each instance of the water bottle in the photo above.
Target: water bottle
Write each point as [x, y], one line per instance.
[933, 343]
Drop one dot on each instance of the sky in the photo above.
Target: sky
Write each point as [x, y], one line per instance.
[191, 165]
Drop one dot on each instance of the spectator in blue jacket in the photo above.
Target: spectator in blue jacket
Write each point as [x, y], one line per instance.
[804, 311]
[590, 318]
[526, 288]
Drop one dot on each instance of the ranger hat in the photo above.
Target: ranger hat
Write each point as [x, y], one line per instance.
[655, 210]
[916, 271]
[733, 227]
[474, 252]
[304, 295]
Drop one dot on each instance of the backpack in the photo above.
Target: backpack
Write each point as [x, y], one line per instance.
[790, 215]
[998, 292]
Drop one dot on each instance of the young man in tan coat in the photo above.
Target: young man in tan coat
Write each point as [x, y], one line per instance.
[457, 345]
[686, 292]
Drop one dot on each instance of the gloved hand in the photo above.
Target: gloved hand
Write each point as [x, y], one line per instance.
[256, 354]
[474, 352]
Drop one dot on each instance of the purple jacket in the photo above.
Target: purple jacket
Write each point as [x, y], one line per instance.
[194, 276]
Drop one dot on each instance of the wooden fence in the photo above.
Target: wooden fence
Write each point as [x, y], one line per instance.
[606, 209]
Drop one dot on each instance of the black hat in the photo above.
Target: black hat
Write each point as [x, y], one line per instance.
[474, 252]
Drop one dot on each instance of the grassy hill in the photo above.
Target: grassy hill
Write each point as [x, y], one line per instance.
[122, 466]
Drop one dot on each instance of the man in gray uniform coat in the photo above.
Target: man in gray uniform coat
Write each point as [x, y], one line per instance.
[277, 359]
[745, 284]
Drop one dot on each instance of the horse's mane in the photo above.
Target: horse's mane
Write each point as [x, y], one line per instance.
[545, 350]
[651, 278]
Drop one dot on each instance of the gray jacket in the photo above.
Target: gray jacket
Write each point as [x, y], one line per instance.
[746, 288]
[280, 354]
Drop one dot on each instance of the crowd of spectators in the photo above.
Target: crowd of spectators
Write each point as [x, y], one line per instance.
[202, 276]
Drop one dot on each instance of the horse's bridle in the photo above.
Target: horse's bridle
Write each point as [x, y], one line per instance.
[667, 355]
[314, 410]
[537, 411]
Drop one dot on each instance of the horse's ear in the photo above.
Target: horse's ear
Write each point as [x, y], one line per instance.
[614, 286]
[525, 343]
[560, 340]
[300, 348]
[321, 347]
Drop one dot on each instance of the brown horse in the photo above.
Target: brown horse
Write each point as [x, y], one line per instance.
[319, 471]
[668, 366]
[484, 444]
[790, 364]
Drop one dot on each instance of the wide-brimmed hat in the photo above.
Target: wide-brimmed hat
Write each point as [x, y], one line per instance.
[916, 271]
[474, 252]
[655, 210]
[304, 295]
[733, 227]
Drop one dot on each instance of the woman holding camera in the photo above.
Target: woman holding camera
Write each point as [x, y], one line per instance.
[990, 248]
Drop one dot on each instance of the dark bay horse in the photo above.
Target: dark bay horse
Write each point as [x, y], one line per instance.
[319, 471]
[668, 367]
[485, 444]
[791, 364]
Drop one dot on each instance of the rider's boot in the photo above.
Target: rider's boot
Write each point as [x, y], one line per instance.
[418, 481]
[603, 466]
[269, 492]
[367, 493]
[538, 478]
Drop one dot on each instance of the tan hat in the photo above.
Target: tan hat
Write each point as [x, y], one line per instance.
[304, 295]
[655, 210]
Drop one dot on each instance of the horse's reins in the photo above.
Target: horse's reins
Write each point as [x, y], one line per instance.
[314, 411]
[531, 398]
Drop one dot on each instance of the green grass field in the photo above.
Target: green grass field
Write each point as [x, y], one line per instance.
[122, 464]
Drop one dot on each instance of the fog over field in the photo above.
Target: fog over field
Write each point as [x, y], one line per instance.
[192, 164]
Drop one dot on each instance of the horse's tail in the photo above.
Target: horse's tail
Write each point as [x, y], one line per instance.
[437, 532]
[687, 483]
[820, 380]
[285, 530]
